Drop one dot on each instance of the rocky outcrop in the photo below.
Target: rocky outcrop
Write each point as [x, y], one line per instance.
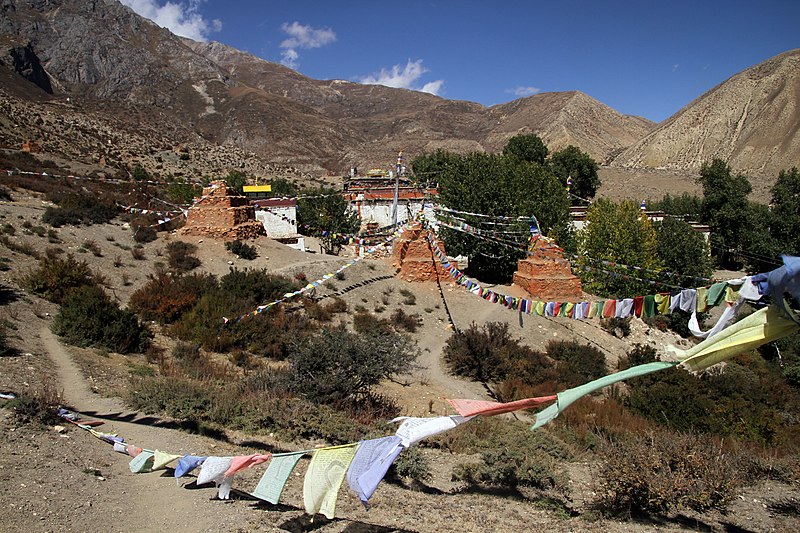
[751, 121]
[24, 61]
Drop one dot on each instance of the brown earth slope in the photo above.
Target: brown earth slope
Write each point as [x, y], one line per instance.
[751, 120]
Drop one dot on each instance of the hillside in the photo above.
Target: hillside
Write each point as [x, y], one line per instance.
[135, 76]
[751, 120]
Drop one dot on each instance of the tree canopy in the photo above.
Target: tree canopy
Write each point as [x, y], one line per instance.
[526, 147]
[573, 163]
[619, 233]
[326, 214]
[725, 207]
[499, 185]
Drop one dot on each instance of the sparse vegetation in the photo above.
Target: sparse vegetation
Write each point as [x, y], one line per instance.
[180, 256]
[241, 250]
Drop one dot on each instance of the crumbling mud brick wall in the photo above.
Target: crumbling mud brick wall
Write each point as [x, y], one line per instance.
[414, 258]
[220, 214]
[546, 275]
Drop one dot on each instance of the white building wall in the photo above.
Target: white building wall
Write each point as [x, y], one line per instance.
[279, 222]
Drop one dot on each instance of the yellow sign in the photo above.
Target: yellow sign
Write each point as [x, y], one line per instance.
[257, 188]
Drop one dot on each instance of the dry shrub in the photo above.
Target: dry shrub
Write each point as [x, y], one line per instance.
[56, 276]
[180, 256]
[39, 404]
[165, 298]
[403, 320]
[662, 471]
[317, 311]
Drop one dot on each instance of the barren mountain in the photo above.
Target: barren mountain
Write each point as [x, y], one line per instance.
[133, 77]
[751, 120]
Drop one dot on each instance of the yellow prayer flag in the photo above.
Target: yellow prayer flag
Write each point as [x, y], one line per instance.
[324, 477]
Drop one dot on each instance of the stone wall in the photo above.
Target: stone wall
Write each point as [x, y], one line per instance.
[546, 275]
[414, 258]
[220, 214]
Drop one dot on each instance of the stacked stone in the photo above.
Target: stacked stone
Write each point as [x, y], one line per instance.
[222, 215]
[414, 257]
[546, 275]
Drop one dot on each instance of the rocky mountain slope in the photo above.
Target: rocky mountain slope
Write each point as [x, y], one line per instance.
[751, 120]
[132, 76]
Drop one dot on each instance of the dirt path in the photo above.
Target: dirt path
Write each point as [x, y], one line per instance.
[151, 502]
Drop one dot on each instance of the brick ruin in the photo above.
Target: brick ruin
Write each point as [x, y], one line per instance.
[220, 214]
[546, 275]
[414, 257]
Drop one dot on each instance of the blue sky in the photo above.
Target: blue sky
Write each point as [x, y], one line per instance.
[641, 58]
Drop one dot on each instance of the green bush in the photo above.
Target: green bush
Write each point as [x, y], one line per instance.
[255, 287]
[661, 471]
[511, 454]
[335, 365]
[242, 250]
[411, 464]
[88, 317]
[56, 276]
[483, 353]
[180, 256]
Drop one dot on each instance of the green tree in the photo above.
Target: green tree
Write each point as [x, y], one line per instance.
[139, 173]
[686, 204]
[526, 147]
[282, 187]
[236, 180]
[617, 232]
[571, 162]
[498, 185]
[327, 215]
[683, 250]
[725, 208]
[785, 223]
[181, 191]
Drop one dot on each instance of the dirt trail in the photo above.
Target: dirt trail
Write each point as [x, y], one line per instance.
[152, 503]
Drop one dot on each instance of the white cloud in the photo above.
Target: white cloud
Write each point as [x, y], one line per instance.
[675, 67]
[522, 92]
[433, 87]
[404, 77]
[302, 36]
[179, 17]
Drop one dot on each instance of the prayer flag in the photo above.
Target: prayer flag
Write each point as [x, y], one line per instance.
[414, 429]
[271, 485]
[241, 462]
[187, 463]
[469, 408]
[162, 459]
[143, 462]
[569, 396]
[324, 476]
[370, 464]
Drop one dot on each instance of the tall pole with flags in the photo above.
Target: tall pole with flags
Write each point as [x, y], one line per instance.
[398, 169]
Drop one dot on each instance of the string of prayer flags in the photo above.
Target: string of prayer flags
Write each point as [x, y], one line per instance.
[187, 463]
[414, 429]
[370, 464]
[469, 408]
[271, 484]
[324, 476]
